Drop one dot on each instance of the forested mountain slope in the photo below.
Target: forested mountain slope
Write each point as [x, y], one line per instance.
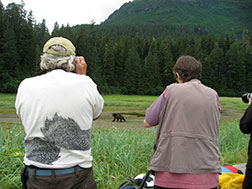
[217, 17]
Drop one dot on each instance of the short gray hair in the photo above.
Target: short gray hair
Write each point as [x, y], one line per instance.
[50, 62]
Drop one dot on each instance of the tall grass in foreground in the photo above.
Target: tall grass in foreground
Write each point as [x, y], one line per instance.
[11, 155]
[233, 143]
[118, 153]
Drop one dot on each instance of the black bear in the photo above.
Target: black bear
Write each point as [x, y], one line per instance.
[117, 117]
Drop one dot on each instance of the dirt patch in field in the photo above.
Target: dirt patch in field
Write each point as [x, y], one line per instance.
[9, 118]
[134, 119]
[230, 113]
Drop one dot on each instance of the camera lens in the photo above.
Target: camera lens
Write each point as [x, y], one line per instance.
[245, 97]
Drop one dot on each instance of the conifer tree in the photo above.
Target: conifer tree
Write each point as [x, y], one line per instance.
[235, 70]
[222, 43]
[56, 30]
[152, 70]
[232, 38]
[10, 51]
[132, 70]
[120, 53]
[90, 53]
[67, 32]
[207, 43]
[109, 64]
[247, 59]
[207, 72]
[27, 47]
[166, 63]
[41, 35]
[1, 28]
[216, 60]
[191, 47]
[202, 56]
[81, 40]
[9, 68]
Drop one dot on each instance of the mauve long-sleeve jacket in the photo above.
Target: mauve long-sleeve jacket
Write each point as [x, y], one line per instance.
[188, 131]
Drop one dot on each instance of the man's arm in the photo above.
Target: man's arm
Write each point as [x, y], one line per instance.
[81, 68]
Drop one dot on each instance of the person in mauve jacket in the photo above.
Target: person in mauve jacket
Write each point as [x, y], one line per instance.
[188, 114]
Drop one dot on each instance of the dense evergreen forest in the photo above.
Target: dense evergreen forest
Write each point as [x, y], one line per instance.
[135, 62]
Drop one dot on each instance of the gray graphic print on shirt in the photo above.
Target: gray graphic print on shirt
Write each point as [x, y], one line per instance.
[41, 151]
[59, 133]
[66, 133]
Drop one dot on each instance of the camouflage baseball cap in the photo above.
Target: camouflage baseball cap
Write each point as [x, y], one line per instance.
[70, 49]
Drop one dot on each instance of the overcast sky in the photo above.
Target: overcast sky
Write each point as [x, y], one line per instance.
[70, 12]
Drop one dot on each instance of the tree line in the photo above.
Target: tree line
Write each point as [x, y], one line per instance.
[125, 63]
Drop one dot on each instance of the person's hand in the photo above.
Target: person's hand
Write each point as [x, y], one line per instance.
[81, 65]
[146, 124]
[250, 100]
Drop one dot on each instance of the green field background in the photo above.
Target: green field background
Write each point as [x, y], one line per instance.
[119, 149]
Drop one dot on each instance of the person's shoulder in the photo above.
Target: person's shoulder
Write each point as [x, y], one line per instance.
[29, 80]
[209, 89]
[172, 85]
[173, 88]
[85, 78]
[29, 83]
[82, 80]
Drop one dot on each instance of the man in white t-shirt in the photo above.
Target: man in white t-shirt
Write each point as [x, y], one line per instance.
[57, 110]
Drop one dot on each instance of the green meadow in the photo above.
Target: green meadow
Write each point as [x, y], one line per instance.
[120, 149]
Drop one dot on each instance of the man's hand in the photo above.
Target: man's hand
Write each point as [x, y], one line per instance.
[81, 65]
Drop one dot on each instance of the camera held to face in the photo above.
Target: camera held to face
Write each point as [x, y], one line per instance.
[246, 97]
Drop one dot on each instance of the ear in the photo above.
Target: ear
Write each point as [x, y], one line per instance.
[177, 75]
[179, 79]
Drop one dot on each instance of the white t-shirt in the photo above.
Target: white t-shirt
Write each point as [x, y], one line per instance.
[57, 110]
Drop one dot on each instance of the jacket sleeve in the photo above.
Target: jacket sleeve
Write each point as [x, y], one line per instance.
[246, 121]
[152, 114]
